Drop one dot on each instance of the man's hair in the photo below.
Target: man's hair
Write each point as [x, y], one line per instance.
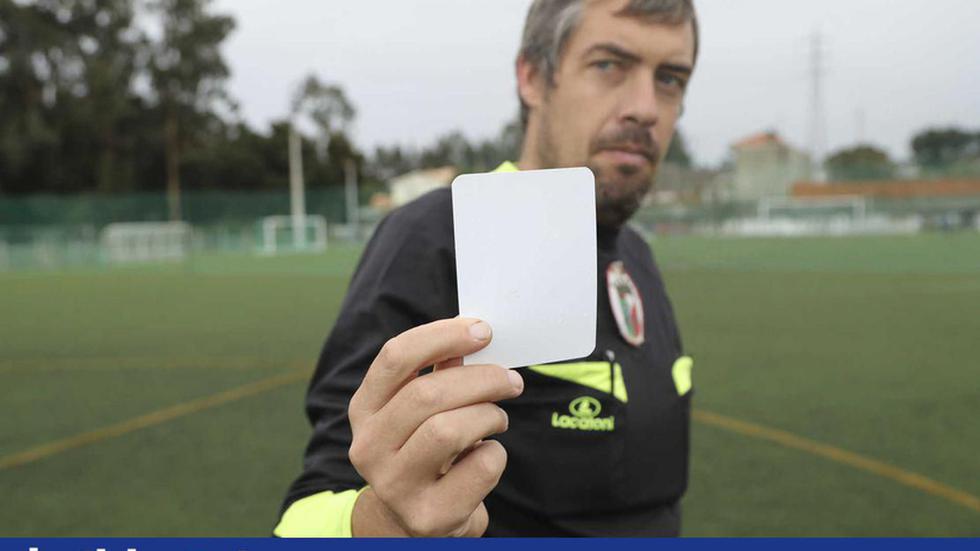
[550, 22]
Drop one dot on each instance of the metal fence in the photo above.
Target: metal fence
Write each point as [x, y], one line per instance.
[57, 232]
[814, 216]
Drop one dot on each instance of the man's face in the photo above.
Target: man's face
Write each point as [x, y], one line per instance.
[613, 103]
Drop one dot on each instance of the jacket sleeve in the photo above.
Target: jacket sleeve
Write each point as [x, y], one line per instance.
[405, 278]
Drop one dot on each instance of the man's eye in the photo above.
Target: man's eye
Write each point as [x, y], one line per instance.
[606, 65]
[670, 80]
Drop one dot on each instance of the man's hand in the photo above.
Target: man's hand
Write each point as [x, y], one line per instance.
[418, 441]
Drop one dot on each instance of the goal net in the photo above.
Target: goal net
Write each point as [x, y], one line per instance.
[127, 242]
[787, 216]
[289, 234]
[816, 208]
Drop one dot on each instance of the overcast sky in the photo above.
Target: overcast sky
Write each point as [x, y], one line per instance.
[416, 69]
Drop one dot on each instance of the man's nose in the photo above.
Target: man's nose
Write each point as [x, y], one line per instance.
[640, 102]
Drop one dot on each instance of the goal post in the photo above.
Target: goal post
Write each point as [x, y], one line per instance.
[289, 234]
[797, 216]
[853, 207]
[127, 242]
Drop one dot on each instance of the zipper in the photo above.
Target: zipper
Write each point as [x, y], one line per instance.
[611, 360]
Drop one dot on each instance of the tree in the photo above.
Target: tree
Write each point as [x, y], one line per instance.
[188, 74]
[677, 152]
[72, 118]
[109, 47]
[327, 107]
[26, 34]
[388, 162]
[450, 149]
[236, 157]
[67, 69]
[454, 149]
[941, 147]
[862, 162]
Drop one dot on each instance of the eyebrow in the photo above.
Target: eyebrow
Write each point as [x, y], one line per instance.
[622, 53]
[614, 50]
[677, 68]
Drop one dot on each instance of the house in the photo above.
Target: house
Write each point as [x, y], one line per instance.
[766, 166]
[408, 187]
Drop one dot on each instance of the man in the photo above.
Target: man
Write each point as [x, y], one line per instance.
[593, 447]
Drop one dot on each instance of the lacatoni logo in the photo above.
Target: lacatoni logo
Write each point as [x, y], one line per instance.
[584, 416]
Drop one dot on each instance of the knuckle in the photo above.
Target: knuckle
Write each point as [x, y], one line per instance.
[438, 524]
[428, 529]
[390, 356]
[394, 488]
[424, 522]
[353, 410]
[457, 520]
[426, 393]
[357, 454]
[478, 522]
[363, 449]
[490, 465]
[439, 432]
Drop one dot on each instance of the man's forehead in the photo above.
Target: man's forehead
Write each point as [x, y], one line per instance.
[613, 5]
[604, 21]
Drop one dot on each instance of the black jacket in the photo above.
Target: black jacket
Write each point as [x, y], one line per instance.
[564, 477]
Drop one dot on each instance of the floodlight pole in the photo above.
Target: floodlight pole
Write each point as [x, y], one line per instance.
[818, 128]
[297, 198]
[350, 187]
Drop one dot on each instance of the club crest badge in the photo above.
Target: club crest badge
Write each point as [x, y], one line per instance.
[627, 306]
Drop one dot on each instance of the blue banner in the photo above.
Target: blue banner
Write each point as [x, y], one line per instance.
[263, 544]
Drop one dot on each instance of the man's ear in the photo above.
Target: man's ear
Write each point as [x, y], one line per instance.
[531, 83]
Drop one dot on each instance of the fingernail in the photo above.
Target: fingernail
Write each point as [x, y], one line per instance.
[480, 331]
[515, 379]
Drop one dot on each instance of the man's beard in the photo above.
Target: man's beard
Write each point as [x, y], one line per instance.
[619, 189]
[618, 195]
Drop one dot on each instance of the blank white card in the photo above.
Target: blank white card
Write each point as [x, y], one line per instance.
[526, 263]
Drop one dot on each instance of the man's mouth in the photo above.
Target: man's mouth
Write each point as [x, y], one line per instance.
[629, 154]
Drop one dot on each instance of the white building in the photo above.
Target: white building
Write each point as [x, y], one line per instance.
[766, 166]
[410, 186]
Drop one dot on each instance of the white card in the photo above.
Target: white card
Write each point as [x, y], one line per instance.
[526, 263]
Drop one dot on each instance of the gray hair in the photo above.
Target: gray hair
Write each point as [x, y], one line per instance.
[550, 22]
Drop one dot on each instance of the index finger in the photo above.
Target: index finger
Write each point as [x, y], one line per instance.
[404, 355]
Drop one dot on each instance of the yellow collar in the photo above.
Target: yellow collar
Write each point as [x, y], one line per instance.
[507, 166]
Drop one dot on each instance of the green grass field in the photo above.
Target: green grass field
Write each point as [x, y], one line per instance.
[871, 345]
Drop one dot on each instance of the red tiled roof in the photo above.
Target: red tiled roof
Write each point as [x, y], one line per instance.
[756, 140]
[896, 189]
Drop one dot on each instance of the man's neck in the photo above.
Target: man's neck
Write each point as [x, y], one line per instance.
[529, 159]
[526, 162]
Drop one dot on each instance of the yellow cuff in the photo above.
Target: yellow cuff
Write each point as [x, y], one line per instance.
[322, 515]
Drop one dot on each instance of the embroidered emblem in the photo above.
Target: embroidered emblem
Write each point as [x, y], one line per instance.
[627, 306]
